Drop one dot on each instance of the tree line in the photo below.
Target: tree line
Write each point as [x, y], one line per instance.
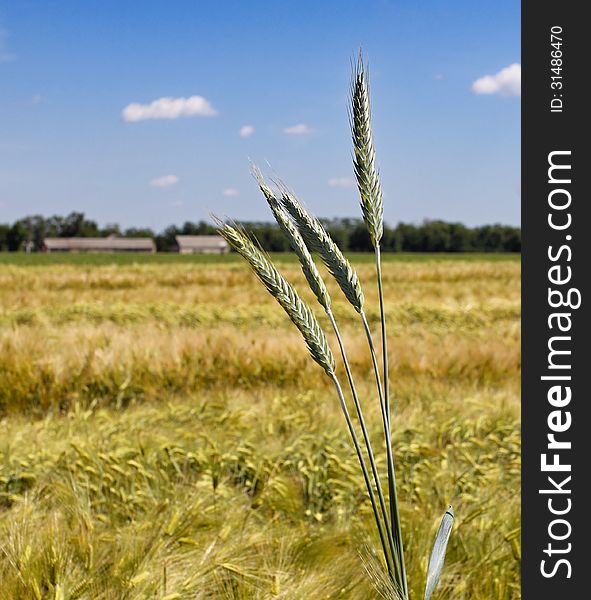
[350, 234]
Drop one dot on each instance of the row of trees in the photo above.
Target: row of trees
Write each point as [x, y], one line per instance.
[350, 235]
[429, 236]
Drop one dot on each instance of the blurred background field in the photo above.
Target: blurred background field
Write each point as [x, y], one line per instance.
[164, 434]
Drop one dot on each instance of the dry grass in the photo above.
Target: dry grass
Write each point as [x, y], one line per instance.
[447, 283]
[159, 441]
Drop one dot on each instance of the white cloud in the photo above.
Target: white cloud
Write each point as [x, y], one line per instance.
[246, 131]
[38, 99]
[341, 182]
[507, 82]
[169, 108]
[299, 129]
[164, 181]
[177, 203]
[231, 192]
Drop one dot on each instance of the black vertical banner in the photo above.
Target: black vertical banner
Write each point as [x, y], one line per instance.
[556, 384]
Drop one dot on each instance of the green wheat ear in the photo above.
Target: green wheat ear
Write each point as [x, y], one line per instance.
[298, 311]
[296, 241]
[318, 240]
[368, 180]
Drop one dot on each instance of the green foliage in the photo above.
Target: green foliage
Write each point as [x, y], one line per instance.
[350, 235]
[4, 229]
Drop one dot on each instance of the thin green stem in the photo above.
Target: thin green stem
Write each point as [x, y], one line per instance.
[387, 397]
[394, 510]
[365, 433]
[384, 336]
[365, 473]
[384, 357]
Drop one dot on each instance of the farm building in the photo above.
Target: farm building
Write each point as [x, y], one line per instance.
[202, 244]
[106, 244]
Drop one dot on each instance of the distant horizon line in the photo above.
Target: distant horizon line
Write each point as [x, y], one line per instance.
[330, 220]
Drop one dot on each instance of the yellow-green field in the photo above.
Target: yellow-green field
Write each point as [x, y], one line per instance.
[164, 433]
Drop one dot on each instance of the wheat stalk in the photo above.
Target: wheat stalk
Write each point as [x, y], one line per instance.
[298, 311]
[304, 319]
[372, 207]
[318, 239]
[370, 190]
[318, 286]
[306, 234]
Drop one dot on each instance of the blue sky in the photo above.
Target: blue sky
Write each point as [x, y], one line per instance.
[447, 137]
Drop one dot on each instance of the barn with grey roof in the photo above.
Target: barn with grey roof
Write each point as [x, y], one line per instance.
[94, 245]
[202, 244]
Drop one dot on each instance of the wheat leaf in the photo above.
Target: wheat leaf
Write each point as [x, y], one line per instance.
[438, 552]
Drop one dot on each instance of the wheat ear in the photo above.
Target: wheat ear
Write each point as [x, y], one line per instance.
[367, 176]
[296, 241]
[318, 240]
[298, 311]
